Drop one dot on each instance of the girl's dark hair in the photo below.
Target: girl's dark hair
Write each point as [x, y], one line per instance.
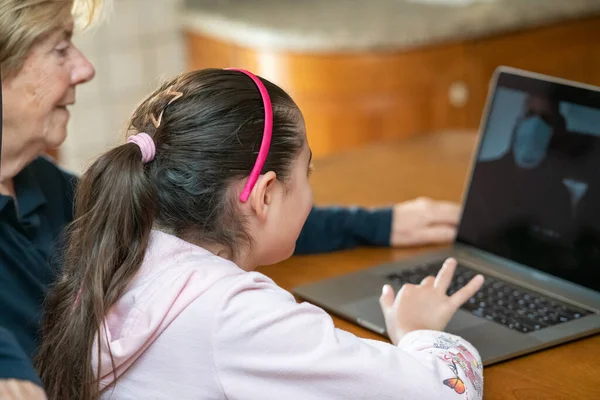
[206, 140]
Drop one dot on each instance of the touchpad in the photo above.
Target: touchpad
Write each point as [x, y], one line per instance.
[366, 310]
[463, 320]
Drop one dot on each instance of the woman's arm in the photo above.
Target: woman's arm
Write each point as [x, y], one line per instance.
[411, 223]
[14, 363]
[337, 228]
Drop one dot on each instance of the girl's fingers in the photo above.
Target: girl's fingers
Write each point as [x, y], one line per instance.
[428, 281]
[466, 292]
[444, 277]
[386, 300]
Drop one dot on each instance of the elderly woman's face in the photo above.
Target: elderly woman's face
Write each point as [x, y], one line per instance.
[37, 97]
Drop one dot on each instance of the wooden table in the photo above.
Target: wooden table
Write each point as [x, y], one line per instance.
[434, 166]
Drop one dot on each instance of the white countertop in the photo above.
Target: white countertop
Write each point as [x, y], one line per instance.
[357, 25]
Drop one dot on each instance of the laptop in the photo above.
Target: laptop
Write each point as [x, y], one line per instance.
[530, 224]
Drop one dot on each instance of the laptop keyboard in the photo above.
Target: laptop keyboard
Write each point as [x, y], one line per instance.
[499, 301]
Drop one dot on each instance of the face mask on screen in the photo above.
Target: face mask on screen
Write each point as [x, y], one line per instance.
[532, 138]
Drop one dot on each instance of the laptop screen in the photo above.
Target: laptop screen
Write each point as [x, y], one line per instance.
[534, 196]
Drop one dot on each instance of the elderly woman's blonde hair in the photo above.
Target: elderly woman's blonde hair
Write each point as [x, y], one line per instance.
[23, 23]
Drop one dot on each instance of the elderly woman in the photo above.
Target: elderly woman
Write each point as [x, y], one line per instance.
[41, 69]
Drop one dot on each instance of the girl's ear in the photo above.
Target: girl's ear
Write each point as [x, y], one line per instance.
[262, 195]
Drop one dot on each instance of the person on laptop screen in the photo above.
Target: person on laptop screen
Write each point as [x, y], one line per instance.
[533, 204]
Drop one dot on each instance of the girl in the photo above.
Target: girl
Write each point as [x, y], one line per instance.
[158, 298]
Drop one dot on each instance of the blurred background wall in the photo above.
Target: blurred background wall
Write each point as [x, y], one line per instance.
[140, 43]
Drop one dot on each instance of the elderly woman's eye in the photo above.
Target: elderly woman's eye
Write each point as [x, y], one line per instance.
[62, 49]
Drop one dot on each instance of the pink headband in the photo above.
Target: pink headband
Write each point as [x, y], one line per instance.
[146, 145]
[266, 140]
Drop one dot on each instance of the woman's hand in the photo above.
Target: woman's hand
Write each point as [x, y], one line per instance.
[425, 306]
[424, 221]
[13, 389]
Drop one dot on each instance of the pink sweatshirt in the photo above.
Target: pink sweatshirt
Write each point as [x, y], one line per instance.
[195, 326]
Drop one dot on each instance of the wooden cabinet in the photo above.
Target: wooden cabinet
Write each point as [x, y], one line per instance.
[349, 100]
[352, 100]
[593, 70]
[565, 50]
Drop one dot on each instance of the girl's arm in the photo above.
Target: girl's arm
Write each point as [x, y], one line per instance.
[268, 346]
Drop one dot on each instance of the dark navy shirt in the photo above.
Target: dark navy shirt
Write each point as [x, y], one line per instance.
[336, 228]
[14, 363]
[29, 232]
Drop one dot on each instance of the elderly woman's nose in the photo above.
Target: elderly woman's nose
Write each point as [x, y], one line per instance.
[83, 70]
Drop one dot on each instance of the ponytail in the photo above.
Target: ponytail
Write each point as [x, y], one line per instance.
[115, 208]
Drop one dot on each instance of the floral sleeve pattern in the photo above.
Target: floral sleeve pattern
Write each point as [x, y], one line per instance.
[458, 363]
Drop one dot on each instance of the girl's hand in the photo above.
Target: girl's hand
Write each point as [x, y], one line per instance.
[425, 306]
